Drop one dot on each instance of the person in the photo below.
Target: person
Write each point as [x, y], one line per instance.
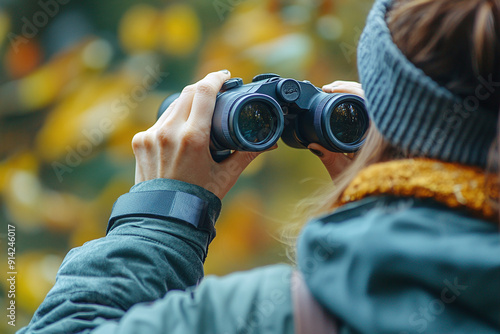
[407, 242]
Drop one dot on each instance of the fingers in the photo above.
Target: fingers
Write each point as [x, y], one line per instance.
[340, 84]
[178, 111]
[326, 155]
[318, 150]
[194, 97]
[143, 145]
[334, 162]
[204, 100]
[348, 87]
[238, 161]
[160, 121]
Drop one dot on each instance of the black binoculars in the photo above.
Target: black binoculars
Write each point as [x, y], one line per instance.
[253, 117]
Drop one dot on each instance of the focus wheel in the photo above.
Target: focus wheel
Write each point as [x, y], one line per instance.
[232, 83]
[265, 76]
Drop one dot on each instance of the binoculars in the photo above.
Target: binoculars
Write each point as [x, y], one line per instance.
[254, 116]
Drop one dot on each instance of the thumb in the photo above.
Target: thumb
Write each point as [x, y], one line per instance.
[230, 169]
[239, 160]
[334, 162]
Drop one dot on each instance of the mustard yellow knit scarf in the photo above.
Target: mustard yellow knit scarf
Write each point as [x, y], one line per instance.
[452, 184]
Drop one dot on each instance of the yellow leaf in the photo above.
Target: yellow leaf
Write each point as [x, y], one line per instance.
[4, 25]
[181, 30]
[138, 30]
[37, 274]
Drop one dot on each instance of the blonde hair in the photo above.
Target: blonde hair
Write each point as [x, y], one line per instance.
[455, 42]
[375, 149]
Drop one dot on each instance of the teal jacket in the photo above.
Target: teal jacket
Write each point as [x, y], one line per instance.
[381, 265]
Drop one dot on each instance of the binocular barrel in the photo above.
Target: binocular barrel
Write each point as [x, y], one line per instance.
[255, 116]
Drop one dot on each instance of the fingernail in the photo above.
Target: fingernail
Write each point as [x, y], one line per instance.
[224, 71]
[316, 152]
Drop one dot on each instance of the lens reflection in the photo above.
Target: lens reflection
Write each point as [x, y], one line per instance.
[256, 122]
[347, 123]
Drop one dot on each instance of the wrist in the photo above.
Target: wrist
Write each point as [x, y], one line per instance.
[214, 203]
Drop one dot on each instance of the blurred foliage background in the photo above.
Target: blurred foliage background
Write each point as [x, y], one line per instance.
[80, 78]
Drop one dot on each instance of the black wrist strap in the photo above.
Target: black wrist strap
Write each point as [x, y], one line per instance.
[162, 204]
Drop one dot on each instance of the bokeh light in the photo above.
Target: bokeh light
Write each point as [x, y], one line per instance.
[79, 79]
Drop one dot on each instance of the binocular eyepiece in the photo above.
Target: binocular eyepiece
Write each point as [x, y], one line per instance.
[254, 116]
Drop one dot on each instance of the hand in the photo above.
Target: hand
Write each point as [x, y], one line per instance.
[177, 145]
[348, 87]
[334, 162]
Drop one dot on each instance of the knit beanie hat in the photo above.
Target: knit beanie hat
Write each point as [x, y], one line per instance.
[411, 110]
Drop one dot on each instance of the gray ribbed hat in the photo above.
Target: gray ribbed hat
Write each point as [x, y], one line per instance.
[411, 110]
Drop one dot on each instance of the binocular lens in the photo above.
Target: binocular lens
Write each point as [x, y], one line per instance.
[347, 123]
[246, 122]
[256, 122]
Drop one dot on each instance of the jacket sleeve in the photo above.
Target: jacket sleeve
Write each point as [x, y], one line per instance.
[257, 301]
[139, 260]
